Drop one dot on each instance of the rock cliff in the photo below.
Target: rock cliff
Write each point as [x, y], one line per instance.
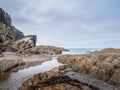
[11, 39]
[7, 30]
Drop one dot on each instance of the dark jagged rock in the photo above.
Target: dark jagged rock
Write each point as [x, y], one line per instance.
[4, 17]
[91, 82]
[1, 54]
[64, 78]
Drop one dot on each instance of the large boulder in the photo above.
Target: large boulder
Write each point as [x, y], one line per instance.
[21, 45]
[47, 50]
[10, 61]
[25, 43]
[6, 46]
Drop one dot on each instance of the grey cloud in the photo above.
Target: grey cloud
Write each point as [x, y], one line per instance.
[69, 23]
[21, 20]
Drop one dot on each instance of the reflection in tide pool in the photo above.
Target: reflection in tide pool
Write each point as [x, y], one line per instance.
[14, 80]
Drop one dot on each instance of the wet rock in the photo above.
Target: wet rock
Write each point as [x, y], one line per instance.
[103, 65]
[10, 61]
[7, 65]
[90, 81]
[53, 80]
[1, 54]
[115, 77]
[47, 50]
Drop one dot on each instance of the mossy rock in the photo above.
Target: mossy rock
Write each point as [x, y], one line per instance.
[18, 33]
[1, 38]
[34, 37]
[30, 36]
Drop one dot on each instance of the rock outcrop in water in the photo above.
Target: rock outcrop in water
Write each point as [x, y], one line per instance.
[47, 50]
[64, 78]
[104, 65]
[41, 50]
[53, 80]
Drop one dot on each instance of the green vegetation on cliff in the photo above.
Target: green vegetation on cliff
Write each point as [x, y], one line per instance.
[7, 30]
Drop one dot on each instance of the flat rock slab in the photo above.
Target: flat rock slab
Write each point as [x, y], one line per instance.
[92, 82]
[39, 58]
[10, 61]
[9, 56]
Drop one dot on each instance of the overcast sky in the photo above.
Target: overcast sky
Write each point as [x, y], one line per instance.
[68, 23]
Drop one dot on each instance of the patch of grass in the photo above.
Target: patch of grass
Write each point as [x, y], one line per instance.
[30, 36]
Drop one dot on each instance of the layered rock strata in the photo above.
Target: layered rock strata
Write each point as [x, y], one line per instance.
[10, 61]
[53, 80]
[7, 30]
[103, 65]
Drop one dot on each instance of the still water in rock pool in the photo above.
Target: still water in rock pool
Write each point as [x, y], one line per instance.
[13, 80]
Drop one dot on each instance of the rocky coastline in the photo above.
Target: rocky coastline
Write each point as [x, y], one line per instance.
[53, 80]
[20, 51]
[10, 61]
[103, 65]
[99, 70]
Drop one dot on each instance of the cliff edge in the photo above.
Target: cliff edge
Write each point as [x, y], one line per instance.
[7, 30]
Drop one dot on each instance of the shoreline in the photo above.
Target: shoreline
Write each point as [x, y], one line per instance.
[97, 65]
[65, 77]
[74, 61]
[19, 74]
[7, 61]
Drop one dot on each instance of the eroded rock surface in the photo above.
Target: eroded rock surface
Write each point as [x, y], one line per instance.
[7, 30]
[10, 61]
[64, 78]
[40, 50]
[53, 80]
[104, 65]
[47, 50]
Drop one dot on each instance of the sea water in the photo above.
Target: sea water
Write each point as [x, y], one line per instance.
[81, 50]
[13, 80]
